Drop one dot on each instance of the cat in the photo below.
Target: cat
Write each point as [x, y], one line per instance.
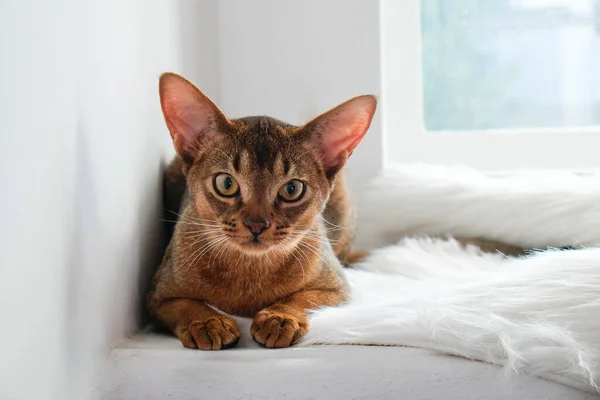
[266, 223]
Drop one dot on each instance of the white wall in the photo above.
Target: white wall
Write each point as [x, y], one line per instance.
[36, 119]
[82, 144]
[295, 59]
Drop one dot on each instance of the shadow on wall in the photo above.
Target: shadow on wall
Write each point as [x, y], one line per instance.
[91, 317]
[151, 248]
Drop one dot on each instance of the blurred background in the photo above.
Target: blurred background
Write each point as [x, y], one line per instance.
[510, 64]
[497, 85]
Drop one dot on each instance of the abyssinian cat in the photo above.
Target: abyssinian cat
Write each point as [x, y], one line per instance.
[260, 233]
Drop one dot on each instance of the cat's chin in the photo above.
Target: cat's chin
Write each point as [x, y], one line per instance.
[257, 248]
[254, 247]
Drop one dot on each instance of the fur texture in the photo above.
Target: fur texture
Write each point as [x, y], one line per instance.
[537, 314]
[251, 239]
[529, 210]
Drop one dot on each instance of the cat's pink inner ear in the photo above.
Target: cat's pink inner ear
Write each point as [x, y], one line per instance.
[337, 132]
[190, 115]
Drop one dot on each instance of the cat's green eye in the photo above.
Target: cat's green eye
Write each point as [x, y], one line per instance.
[292, 191]
[226, 185]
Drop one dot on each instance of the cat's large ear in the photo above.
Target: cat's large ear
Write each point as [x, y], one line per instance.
[192, 118]
[336, 133]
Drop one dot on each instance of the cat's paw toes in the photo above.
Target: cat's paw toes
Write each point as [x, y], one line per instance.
[272, 329]
[215, 333]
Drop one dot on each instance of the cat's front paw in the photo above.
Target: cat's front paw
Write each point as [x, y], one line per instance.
[215, 333]
[273, 329]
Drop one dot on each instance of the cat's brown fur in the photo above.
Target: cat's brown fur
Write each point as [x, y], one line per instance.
[214, 259]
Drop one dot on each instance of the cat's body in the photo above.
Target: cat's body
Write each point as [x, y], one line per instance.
[267, 223]
[249, 291]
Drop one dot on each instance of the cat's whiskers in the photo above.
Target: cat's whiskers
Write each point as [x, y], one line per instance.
[326, 230]
[216, 252]
[336, 226]
[317, 252]
[299, 262]
[284, 251]
[197, 240]
[210, 247]
[201, 236]
[200, 251]
[201, 231]
[288, 237]
[323, 260]
[194, 223]
[319, 237]
[227, 245]
[303, 254]
[191, 218]
[310, 235]
[195, 251]
[266, 256]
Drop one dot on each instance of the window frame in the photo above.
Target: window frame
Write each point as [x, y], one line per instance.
[406, 139]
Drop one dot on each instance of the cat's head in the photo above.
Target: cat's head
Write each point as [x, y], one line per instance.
[256, 181]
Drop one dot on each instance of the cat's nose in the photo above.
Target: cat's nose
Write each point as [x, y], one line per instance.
[257, 225]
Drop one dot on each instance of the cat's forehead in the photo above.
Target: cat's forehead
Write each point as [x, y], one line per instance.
[262, 130]
[262, 123]
[264, 143]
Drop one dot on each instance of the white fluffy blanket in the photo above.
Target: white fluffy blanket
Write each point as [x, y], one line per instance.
[539, 314]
